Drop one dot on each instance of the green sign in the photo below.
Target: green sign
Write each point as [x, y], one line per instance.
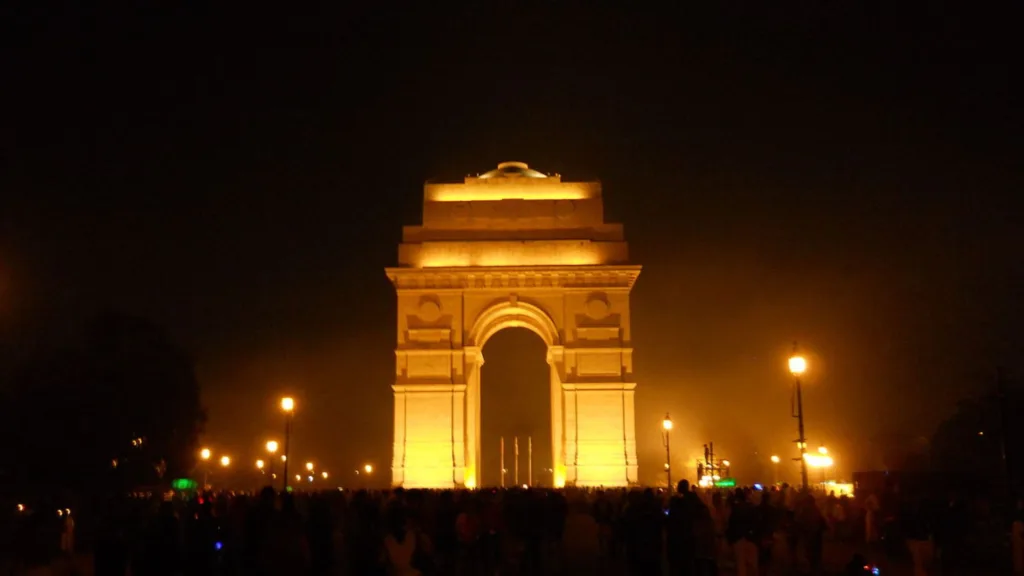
[725, 483]
[184, 484]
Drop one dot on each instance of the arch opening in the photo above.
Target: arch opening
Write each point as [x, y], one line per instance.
[515, 405]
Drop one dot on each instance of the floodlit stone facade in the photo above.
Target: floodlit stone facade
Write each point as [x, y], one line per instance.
[513, 247]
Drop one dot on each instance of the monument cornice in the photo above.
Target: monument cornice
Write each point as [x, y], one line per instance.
[503, 277]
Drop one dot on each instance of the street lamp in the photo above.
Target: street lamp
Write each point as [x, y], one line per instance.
[309, 466]
[204, 455]
[368, 468]
[797, 366]
[288, 406]
[323, 475]
[666, 426]
[822, 450]
[272, 446]
[225, 461]
[775, 469]
[259, 464]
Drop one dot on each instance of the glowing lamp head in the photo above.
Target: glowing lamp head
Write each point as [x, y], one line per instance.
[368, 468]
[309, 466]
[288, 404]
[204, 453]
[272, 446]
[776, 460]
[225, 461]
[323, 475]
[259, 464]
[471, 483]
[822, 450]
[797, 365]
[667, 422]
[725, 463]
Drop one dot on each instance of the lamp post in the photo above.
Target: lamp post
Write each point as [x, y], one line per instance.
[272, 450]
[797, 366]
[666, 426]
[288, 406]
[775, 470]
[204, 455]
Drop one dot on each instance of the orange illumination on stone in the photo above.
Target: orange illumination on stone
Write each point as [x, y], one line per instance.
[488, 192]
[513, 247]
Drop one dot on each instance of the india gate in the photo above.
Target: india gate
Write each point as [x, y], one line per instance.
[513, 247]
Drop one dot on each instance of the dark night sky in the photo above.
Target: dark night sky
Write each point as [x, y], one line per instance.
[848, 176]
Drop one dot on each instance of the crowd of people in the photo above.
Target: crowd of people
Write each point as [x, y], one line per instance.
[519, 531]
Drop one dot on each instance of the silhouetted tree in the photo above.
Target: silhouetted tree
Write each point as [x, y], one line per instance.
[118, 406]
[972, 440]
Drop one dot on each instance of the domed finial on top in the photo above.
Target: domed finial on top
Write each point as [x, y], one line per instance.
[513, 170]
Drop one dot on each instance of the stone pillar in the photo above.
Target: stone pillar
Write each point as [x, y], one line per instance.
[605, 454]
[474, 362]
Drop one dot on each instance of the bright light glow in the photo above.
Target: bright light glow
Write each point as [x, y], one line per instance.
[776, 459]
[21, 507]
[284, 458]
[725, 463]
[525, 486]
[298, 476]
[272, 446]
[259, 464]
[323, 475]
[841, 488]
[666, 423]
[204, 453]
[511, 253]
[666, 465]
[368, 468]
[500, 189]
[309, 466]
[310, 478]
[287, 404]
[818, 461]
[471, 483]
[225, 461]
[797, 365]
[822, 450]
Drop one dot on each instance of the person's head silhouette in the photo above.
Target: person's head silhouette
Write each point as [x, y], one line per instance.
[683, 487]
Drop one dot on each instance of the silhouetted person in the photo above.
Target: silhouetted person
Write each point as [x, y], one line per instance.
[604, 517]
[742, 533]
[400, 543]
[110, 554]
[259, 523]
[321, 536]
[201, 540]
[767, 522]
[681, 540]
[644, 520]
[160, 546]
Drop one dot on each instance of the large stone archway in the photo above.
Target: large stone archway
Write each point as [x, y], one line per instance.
[513, 247]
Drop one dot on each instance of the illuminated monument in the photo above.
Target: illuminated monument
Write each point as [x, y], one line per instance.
[513, 247]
